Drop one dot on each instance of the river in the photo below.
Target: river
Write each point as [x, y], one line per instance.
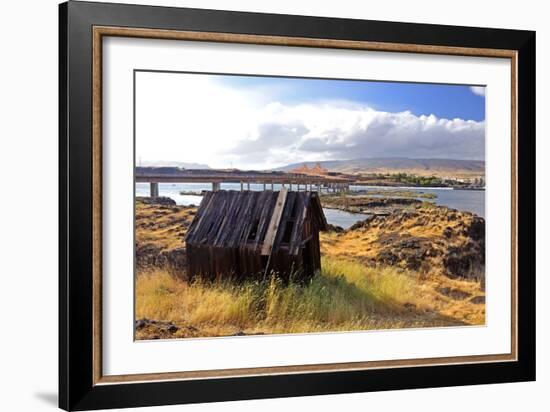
[464, 200]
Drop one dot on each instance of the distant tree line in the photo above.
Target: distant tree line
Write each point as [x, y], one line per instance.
[418, 180]
[426, 181]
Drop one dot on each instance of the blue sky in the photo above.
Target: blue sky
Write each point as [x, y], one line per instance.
[268, 122]
[441, 100]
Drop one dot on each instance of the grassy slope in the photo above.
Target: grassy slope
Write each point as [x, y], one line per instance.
[430, 223]
[162, 226]
[347, 295]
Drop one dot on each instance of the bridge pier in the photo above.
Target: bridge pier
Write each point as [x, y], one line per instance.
[248, 186]
[272, 187]
[216, 186]
[154, 189]
[264, 187]
[242, 186]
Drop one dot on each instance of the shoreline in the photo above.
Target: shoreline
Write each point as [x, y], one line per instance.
[463, 200]
[380, 187]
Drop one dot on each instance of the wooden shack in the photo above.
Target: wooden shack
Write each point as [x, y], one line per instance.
[253, 234]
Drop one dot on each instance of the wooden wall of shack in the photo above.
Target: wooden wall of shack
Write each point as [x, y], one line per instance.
[227, 234]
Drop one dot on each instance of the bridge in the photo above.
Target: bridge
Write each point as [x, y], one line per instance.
[156, 175]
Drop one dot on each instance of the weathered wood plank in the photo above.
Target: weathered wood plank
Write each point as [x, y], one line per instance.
[233, 232]
[274, 223]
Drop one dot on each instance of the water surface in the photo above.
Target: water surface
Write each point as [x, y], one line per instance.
[464, 200]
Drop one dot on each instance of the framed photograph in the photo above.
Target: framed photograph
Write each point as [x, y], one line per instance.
[256, 205]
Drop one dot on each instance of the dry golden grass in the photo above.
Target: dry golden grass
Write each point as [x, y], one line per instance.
[163, 226]
[346, 296]
[350, 294]
[366, 243]
[447, 296]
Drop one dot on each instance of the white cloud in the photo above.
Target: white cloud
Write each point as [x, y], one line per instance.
[479, 90]
[193, 119]
[189, 118]
[310, 132]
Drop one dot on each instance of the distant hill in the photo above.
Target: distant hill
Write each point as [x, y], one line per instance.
[423, 167]
[161, 163]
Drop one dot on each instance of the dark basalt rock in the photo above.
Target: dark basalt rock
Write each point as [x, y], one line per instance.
[161, 200]
[362, 224]
[141, 323]
[159, 326]
[148, 255]
[459, 252]
[465, 261]
[387, 257]
[448, 232]
[476, 230]
[411, 252]
[334, 228]
[173, 259]
[478, 300]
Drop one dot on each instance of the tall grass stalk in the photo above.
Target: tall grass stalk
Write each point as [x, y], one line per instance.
[345, 295]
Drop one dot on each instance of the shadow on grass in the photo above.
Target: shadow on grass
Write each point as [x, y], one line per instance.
[337, 293]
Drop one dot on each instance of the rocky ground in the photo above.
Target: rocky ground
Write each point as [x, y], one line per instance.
[369, 204]
[160, 232]
[443, 247]
[395, 193]
[157, 329]
[425, 238]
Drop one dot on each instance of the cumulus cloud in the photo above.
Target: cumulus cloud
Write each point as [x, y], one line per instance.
[310, 132]
[195, 119]
[479, 90]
